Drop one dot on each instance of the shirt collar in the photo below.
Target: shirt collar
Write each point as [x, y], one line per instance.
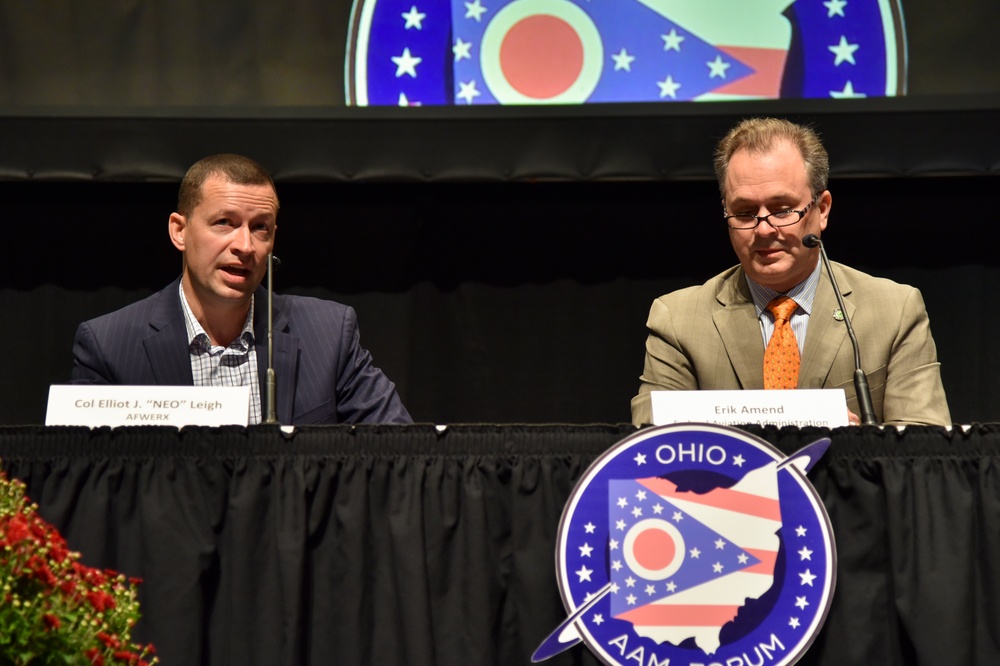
[804, 293]
[198, 338]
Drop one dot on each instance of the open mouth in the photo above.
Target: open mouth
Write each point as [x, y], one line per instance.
[236, 271]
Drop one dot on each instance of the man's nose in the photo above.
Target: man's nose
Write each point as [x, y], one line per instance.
[243, 241]
[765, 228]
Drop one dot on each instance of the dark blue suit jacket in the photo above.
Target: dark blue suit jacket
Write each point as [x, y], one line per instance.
[323, 374]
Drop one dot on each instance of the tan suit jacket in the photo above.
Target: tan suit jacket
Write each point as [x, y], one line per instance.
[708, 337]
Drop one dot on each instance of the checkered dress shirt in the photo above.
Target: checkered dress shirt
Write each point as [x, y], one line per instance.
[215, 365]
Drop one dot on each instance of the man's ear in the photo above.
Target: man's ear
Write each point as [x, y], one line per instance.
[824, 203]
[176, 227]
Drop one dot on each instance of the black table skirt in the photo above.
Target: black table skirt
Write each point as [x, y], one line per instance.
[383, 545]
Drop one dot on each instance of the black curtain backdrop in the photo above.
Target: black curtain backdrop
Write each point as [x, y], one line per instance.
[412, 545]
[493, 301]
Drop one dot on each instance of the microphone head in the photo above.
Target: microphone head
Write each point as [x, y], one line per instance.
[811, 240]
[275, 262]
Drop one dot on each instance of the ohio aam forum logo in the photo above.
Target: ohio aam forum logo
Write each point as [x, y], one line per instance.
[694, 545]
[440, 52]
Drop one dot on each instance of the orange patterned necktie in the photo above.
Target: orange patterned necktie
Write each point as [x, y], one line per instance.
[781, 358]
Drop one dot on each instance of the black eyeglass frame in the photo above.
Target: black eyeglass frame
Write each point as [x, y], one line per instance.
[766, 218]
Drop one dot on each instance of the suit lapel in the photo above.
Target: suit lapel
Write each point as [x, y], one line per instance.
[739, 329]
[825, 335]
[166, 346]
[286, 348]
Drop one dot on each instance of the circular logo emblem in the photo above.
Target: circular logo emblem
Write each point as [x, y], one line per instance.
[461, 52]
[696, 544]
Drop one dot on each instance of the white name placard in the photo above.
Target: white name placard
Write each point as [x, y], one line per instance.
[801, 407]
[103, 405]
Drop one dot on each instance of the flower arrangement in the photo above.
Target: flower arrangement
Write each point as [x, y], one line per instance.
[54, 610]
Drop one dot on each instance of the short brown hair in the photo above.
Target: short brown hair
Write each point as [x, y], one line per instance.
[234, 168]
[759, 135]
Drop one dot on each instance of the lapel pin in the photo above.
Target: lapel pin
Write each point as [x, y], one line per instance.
[838, 314]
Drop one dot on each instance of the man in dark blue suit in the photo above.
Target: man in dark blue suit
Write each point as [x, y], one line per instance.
[209, 327]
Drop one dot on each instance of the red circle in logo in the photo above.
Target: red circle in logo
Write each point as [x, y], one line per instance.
[654, 549]
[541, 56]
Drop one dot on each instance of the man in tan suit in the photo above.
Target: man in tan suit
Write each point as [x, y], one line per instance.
[773, 178]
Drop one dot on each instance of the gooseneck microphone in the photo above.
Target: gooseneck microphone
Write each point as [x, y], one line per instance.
[271, 411]
[860, 379]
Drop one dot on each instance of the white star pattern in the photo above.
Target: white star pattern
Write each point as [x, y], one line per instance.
[613, 544]
[743, 559]
[640, 458]
[671, 586]
[636, 512]
[616, 565]
[717, 567]
[695, 553]
[462, 49]
[844, 51]
[641, 495]
[668, 87]
[584, 574]
[589, 528]
[598, 619]
[800, 531]
[846, 93]
[586, 550]
[807, 578]
[835, 8]
[678, 516]
[467, 91]
[630, 582]
[475, 10]
[406, 64]
[739, 460]
[793, 623]
[657, 509]
[614, 588]
[630, 599]
[719, 544]
[805, 554]
[623, 60]
[672, 42]
[717, 68]
[801, 602]
[620, 525]
[414, 18]
[650, 590]
[622, 502]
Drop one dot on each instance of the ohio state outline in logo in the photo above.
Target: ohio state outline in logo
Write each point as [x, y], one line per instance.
[695, 545]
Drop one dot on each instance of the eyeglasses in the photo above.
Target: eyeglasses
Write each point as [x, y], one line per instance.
[781, 218]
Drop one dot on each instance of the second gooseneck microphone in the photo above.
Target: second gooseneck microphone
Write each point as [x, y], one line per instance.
[860, 379]
[271, 411]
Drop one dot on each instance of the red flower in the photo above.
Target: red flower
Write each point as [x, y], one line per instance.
[59, 552]
[37, 559]
[42, 571]
[17, 529]
[101, 601]
[94, 576]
